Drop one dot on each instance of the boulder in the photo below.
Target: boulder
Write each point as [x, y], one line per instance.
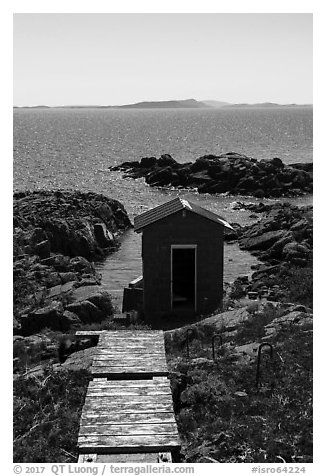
[277, 163]
[80, 264]
[97, 296]
[46, 317]
[86, 311]
[148, 162]
[166, 160]
[71, 319]
[262, 241]
[61, 289]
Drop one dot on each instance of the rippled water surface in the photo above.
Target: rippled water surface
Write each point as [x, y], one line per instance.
[73, 148]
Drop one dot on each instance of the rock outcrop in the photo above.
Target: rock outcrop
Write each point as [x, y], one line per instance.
[283, 240]
[55, 235]
[231, 173]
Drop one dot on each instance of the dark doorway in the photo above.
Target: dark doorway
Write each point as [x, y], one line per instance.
[183, 278]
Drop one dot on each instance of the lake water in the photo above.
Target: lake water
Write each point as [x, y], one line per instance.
[73, 148]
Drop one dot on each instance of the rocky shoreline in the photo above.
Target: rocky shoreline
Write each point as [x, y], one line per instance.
[231, 173]
[283, 240]
[56, 235]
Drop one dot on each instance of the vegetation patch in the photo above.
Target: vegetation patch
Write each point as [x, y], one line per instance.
[224, 416]
[47, 411]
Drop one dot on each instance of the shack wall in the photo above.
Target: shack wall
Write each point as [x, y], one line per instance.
[181, 228]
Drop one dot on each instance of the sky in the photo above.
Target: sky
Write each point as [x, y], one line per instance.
[113, 59]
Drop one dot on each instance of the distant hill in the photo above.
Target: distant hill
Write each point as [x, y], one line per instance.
[185, 103]
[265, 105]
[213, 103]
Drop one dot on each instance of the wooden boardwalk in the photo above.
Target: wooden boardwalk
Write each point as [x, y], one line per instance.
[128, 412]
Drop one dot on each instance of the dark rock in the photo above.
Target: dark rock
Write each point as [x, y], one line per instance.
[96, 295]
[203, 163]
[160, 177]
[43, 249]
[262, 241]
[38, 235]
[166, 160]
[148, 162]
[199, 178]
[277, 163]
[103, 237]
[80, 264]
[230, 172]
[69, 276]
[86, 311]
[61, 289]
[213, 187]
[47, 317]
[52, 279]
[72, 320]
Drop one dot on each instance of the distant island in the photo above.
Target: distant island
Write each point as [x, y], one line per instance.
[173, 104]
[185, 103]
[264, 105]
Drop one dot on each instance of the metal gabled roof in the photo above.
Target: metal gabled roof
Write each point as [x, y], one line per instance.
[174, 206]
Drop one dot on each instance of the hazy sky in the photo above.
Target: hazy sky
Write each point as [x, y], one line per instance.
[113, 59]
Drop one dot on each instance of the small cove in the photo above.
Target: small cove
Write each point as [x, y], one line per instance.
[124, 265]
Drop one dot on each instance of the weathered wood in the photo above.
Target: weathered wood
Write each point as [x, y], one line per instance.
[124, 375]
[155, 382]
[97, 392]
[129, 429]
[142, 365]
[129, 351]
[120, 354]
[127, 398]
[120, 444]
[127, 418]
[133, 411]
[129, 407]
[88, 333]
[155, 457]
[121, 358]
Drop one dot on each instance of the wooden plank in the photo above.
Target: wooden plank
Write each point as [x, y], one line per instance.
[117, 444]
[129, 365]
[129, 429]
[128, 399]
[110, 340]
[146, 350]
[91, 418]
[137, 332]
[132, 335]
[122, 358]
[154, 457]
[125, 375]
[120, 392]
[156, 382]
[129, 416]
[88, 333]
[128, 407]
[117, 373]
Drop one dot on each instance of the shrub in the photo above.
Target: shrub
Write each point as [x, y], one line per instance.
[221, 413]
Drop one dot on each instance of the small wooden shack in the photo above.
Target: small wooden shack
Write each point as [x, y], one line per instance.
[182, 253]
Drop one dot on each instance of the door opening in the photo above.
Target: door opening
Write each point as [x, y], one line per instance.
[183, 277]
